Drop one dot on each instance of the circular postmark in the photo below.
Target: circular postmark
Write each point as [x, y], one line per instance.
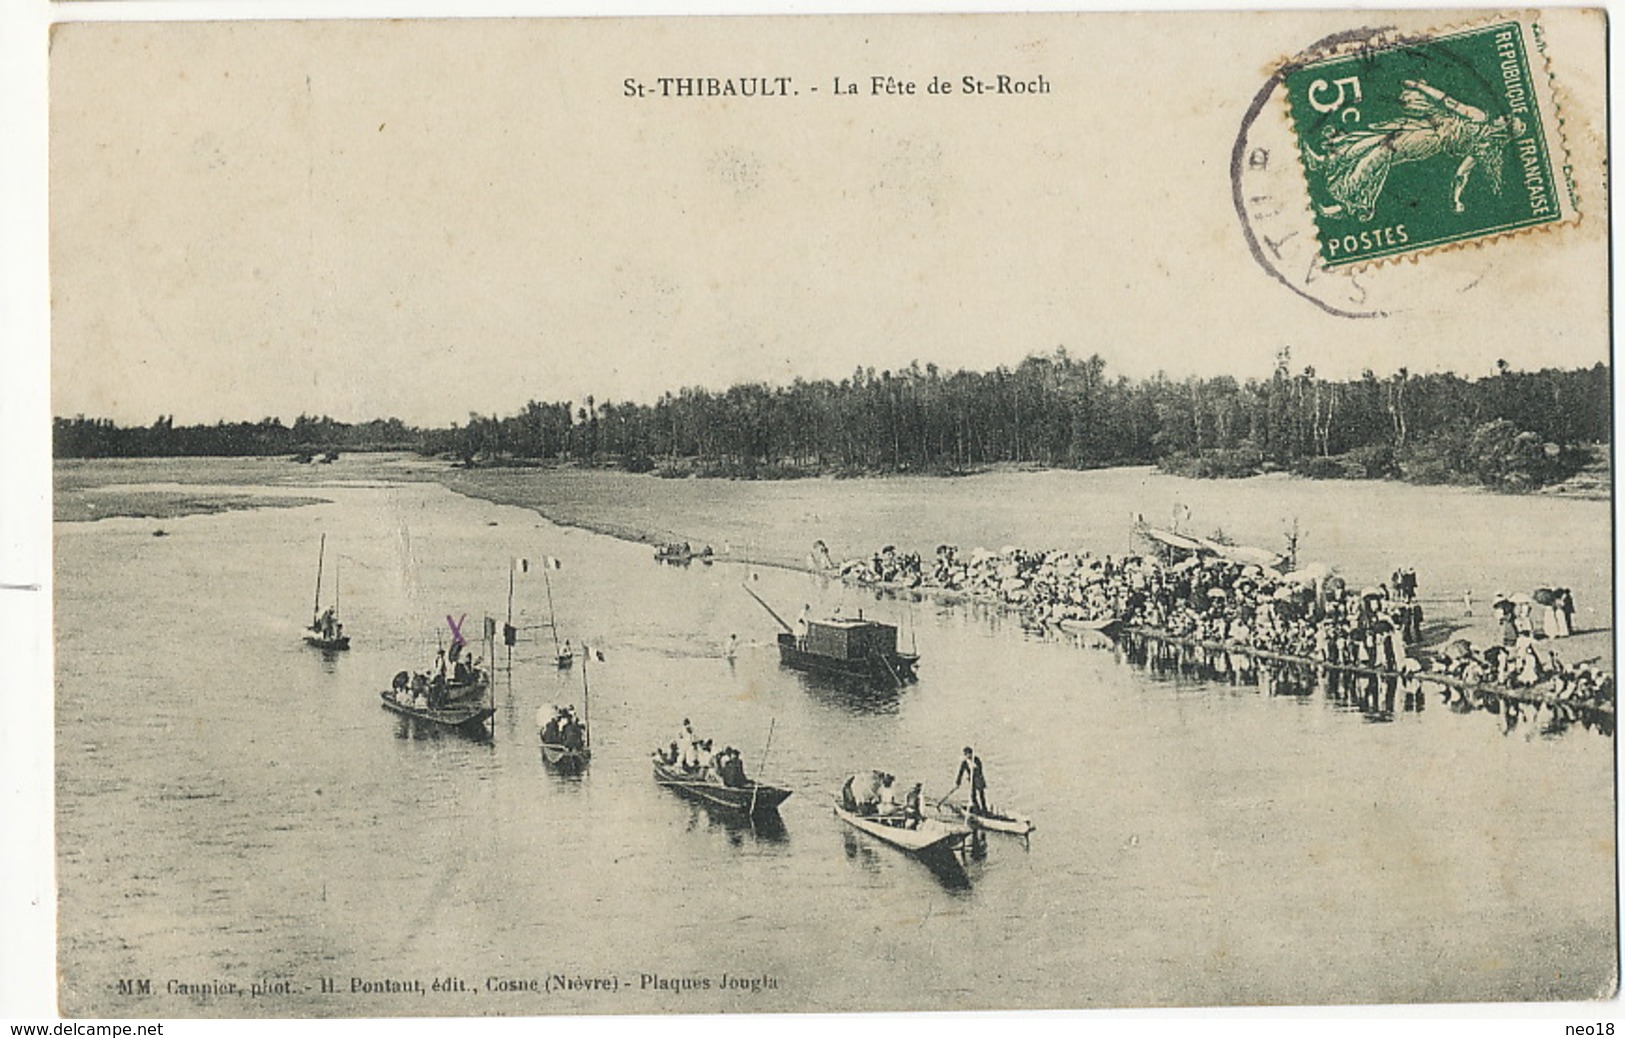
[1272, 200]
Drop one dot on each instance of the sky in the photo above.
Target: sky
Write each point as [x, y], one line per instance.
[424, 219]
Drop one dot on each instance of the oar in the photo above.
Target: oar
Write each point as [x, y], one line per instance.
[760, 770]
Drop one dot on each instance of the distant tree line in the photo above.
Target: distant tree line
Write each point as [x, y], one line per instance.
[1513, 430]
[81, 437]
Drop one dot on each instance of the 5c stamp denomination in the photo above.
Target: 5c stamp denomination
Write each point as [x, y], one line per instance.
[1429, 141]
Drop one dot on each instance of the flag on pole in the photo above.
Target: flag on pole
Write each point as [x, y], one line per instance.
[551, 563]
[524, 565]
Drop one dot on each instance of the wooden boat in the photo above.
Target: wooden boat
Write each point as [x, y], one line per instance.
[562, 749]
[753, 798]
[996, 821]
[568, 747]
[1175, 546]
[468, 715]
[565, 757]
[456, 696]
[325, 632]
[929, 835]
[849, 647]
[853, 648]
[328, 642]
[1104, 625]
[682, 553]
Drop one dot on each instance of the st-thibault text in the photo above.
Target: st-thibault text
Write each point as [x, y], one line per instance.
[1001, 84]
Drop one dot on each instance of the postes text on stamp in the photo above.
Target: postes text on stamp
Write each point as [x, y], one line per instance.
[1428, 142]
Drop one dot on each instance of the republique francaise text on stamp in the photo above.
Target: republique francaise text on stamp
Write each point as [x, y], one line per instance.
[1430, 141]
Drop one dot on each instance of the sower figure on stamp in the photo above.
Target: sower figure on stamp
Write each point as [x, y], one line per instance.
[1357, 162]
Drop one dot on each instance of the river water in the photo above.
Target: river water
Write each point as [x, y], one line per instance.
[234, 808]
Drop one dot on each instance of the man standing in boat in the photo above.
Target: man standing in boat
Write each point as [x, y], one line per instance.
[970, 768]
[686, 753]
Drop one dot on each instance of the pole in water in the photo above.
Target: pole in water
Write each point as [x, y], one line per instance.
[552, 617]
[586, 700]
[756, 786]
[507, 639]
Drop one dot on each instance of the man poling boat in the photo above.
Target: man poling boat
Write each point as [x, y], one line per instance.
[974, 811]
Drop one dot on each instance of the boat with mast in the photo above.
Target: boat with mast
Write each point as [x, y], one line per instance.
[563, 655]
[566, 739]
[325, 631]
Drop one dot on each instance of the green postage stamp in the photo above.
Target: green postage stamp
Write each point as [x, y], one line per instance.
[1430, 141]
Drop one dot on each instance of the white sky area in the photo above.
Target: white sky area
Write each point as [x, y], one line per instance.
[421, 219]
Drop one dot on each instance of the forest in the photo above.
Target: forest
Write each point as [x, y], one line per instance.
[1511, 430]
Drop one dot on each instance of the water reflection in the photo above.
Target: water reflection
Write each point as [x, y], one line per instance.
[943, 865]
[850, 695]
[329, 660]
[946, 867]
[1377, 698]
[411, 729]
[740, 828]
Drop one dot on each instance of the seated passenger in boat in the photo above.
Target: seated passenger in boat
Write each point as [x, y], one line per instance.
[420, 702]
[698, 756]
[886, 805]
[574, 735]
[911, 806]
[730, 768]
[861, 792]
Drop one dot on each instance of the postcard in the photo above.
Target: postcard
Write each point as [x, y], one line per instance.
[831, 514]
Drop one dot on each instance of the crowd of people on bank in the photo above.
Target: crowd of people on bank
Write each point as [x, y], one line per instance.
[1309, 613]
